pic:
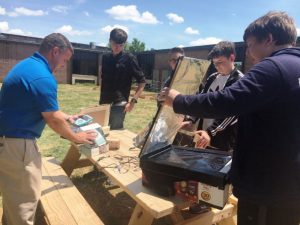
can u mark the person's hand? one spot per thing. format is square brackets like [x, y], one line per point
[167, 96]
[187, 125]
[202, 139]
[87, 137]
[129, 106]
[71, 119]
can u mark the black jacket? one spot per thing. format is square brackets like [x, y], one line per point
[117, 75]
[266, 163]
[223, 130]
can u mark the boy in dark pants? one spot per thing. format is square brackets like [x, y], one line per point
[118, 70]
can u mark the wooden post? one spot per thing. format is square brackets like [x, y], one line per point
[140, 217]
[71, 159]
[176, 216]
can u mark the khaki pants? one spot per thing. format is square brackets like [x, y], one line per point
[20, 180]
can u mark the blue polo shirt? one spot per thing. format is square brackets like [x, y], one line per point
[28, 90]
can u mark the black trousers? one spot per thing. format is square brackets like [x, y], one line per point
[116, 117]
[254, 214]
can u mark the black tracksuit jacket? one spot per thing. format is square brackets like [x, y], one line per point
[223, 130]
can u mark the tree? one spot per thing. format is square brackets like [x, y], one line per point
[136, 46]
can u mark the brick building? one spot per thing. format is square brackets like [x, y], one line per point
[86, 59]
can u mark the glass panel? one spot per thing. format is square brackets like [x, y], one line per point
[187, 78]
[190, 160]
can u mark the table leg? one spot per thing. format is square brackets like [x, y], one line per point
[140, 216]
[176, 216]
[70, 160]
[231, 220]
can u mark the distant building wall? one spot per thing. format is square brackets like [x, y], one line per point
[14, 48]
[12, 52]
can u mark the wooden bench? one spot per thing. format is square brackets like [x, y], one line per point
[61, 202]
[84, 77]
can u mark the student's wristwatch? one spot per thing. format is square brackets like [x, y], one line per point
[133, 100]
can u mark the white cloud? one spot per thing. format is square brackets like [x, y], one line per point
[108, 28]
[60, 9]
[68, 29]
[102, 44]
[12, 14]
[190, 30]
[86, 13]
[181, 46]
[21, 11]
[4, 27]
[2, 11]
[175, 18]
[298, 31]
[205, 41]
[130, 12]
[20, 32]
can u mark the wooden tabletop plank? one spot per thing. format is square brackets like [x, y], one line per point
[128, 176]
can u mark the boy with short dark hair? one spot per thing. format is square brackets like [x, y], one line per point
[118, 70]
[219, 133]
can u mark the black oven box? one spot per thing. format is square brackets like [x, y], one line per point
[166, 168]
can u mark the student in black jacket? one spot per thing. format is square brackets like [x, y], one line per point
[118, 70]
[265, 171]
[219, 133]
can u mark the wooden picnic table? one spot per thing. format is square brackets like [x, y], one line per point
[122, 167]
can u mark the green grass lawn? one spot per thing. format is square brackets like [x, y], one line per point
[73, 98]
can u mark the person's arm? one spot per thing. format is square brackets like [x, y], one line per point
[220, 125]
[44, 93]
[140, 78]
[129, 106]
[139, 90]
[255, 89]
[205, 136]
[56, 120]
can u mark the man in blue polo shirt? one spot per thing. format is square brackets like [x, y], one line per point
[28, 100]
